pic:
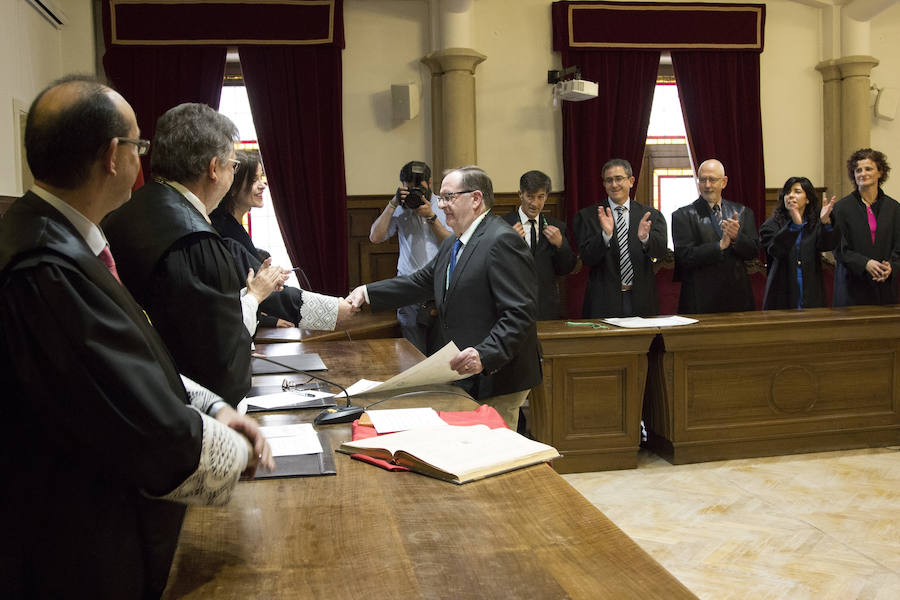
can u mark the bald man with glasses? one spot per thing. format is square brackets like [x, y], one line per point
[713, 237]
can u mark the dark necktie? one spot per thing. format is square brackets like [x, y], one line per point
[453, 255]
[106, 257]
[717, 214]
[625, 267]
[533, 235]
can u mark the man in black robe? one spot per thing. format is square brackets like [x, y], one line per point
[174, 262]
[102, 438]
[713, 237]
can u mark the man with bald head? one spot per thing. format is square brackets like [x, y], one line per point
[105, 437]
[713, 237]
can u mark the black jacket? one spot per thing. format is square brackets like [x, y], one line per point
[550, 262]
[852, 283]
[780, 243]
[603, 297]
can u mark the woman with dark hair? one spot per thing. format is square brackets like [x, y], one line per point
[798, 231]
[246, 192]
[869, 221]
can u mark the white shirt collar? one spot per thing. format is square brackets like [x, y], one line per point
[93, 235]
[464, 238]
[189, 195]
[613, 205]
[525, 218]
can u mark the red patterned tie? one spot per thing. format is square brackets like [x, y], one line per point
[873, 224]
[106, 256]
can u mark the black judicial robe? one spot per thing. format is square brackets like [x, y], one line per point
[713, 280]
[284, 304]
[852, 283]
[229, 228]
[780, 243]
[95, 412]
[181, 272]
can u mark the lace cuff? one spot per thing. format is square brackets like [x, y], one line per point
[201, 398]
[319, 311]
[223, 457]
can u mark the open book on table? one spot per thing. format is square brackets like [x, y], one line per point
[455, 454]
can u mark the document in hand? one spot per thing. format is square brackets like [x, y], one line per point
[455, 454]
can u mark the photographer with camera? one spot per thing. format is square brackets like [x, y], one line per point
[413, 215]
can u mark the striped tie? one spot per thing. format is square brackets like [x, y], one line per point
[624, 257]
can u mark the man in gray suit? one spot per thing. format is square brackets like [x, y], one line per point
[483, 284]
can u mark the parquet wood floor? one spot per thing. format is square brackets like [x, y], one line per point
[822, 526]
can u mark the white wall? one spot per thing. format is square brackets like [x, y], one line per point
[32, 54]
[885, 37]
[385, 40]
[518, 128]
[791, 94]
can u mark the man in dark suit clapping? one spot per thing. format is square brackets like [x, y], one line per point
[546, 237]
[483, 284]
[619, 239]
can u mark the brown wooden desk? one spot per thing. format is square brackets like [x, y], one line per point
[589, 405]
[775, 382]
[364, 326]
[369, 533]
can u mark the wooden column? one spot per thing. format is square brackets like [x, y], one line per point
[831, 117]
[453, 107]
[856, 121]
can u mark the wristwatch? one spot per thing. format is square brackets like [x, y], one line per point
[431, 219]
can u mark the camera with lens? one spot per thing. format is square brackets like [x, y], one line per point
[417, 194]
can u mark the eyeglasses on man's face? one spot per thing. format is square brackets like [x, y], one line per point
[449, 197]
[234, 163]
[709, 180]
[143, 146]
[618, 179]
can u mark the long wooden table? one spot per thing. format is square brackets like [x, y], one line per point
[369, 533]
[775, 382]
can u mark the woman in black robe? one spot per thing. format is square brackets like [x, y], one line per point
[794, 237]
[869, 220]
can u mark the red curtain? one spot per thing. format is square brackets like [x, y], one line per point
[155, 78]
[719, 94]
[613, 125]
[295, 98]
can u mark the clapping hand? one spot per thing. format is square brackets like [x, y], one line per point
[827, 206]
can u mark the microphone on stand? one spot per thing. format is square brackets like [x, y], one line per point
[329, 416]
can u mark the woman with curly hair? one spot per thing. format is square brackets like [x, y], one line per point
[798, 231]
[869, 221]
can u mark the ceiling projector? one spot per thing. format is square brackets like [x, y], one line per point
[575, 90]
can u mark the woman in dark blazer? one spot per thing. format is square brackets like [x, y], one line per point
[869, 220]
[798, 231]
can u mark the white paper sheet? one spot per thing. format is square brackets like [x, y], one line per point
[290, 440]
[402, 419]
[638, 322]
[286, 399]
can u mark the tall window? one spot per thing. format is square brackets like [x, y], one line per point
[261, 223]
[667, 151]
